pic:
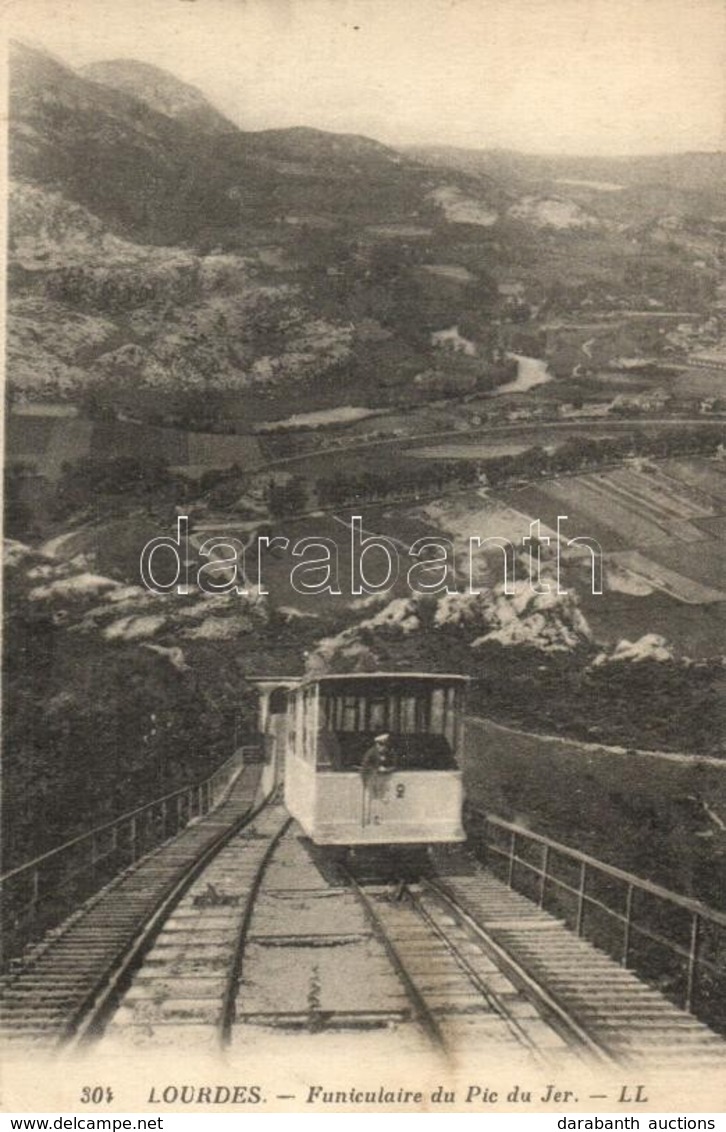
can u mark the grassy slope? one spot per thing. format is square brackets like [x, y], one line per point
[641, 812]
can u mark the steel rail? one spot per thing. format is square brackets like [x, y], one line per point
[422, 1011]
[89, 1020]
[234, 973]
[490, 996]
[549, 1006]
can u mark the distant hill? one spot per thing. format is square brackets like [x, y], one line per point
[155, 248]
[157, 162]
[680, 181]
[107, 150]
[161, 91]
[153, 245]
[684, 170]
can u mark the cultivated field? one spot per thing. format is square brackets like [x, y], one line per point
[707, 475]
[671, 517]
[683, 587]
[664, 531]
[699, 382]
[210, 450]
[51, 441]
[599, 498]
[46, 442]
[561, 497]
[703, 562]
[122, 438]
[471, 514]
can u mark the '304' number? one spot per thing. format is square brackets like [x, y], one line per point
[96, 1094]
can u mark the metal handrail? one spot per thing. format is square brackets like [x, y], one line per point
[626, 919]
[686, 902]
[40, 893]
[701, 915]
[233, 760]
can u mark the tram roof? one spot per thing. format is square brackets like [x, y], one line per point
[362, 677]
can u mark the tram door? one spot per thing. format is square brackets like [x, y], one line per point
[275, 738]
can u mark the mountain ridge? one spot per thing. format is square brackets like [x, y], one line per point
[160, 90]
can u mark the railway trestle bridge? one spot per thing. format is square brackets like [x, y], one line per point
[208, 912]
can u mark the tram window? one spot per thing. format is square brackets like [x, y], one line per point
[426, 710]
[394, 712]
[377, 715]
[414, 716]
[351, 713]
[408, 713]
[278, 702]
[438, 711]
[421, 720]
[329, 755]
[451, 717]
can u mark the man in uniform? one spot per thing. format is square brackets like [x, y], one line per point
[378, 762]
[379, 757]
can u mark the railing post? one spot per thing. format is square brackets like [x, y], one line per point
[580, 920]
[543, 878]
[35, 897]
[512, 855]
[87, 858]
[692, 961]
[626, 928]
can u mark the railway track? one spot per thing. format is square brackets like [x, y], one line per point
[604, 1006]
[240, 928]
[274, 938]
[62, 987]
[262, 941]
[459, 996]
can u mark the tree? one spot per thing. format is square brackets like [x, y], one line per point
[91, 478]
[288, 498]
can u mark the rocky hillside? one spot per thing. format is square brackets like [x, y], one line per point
[198, 256]
[75, 750]
[298, 269]
[535, 664]
[78, 627]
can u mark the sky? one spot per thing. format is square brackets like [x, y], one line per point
[545, 76]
